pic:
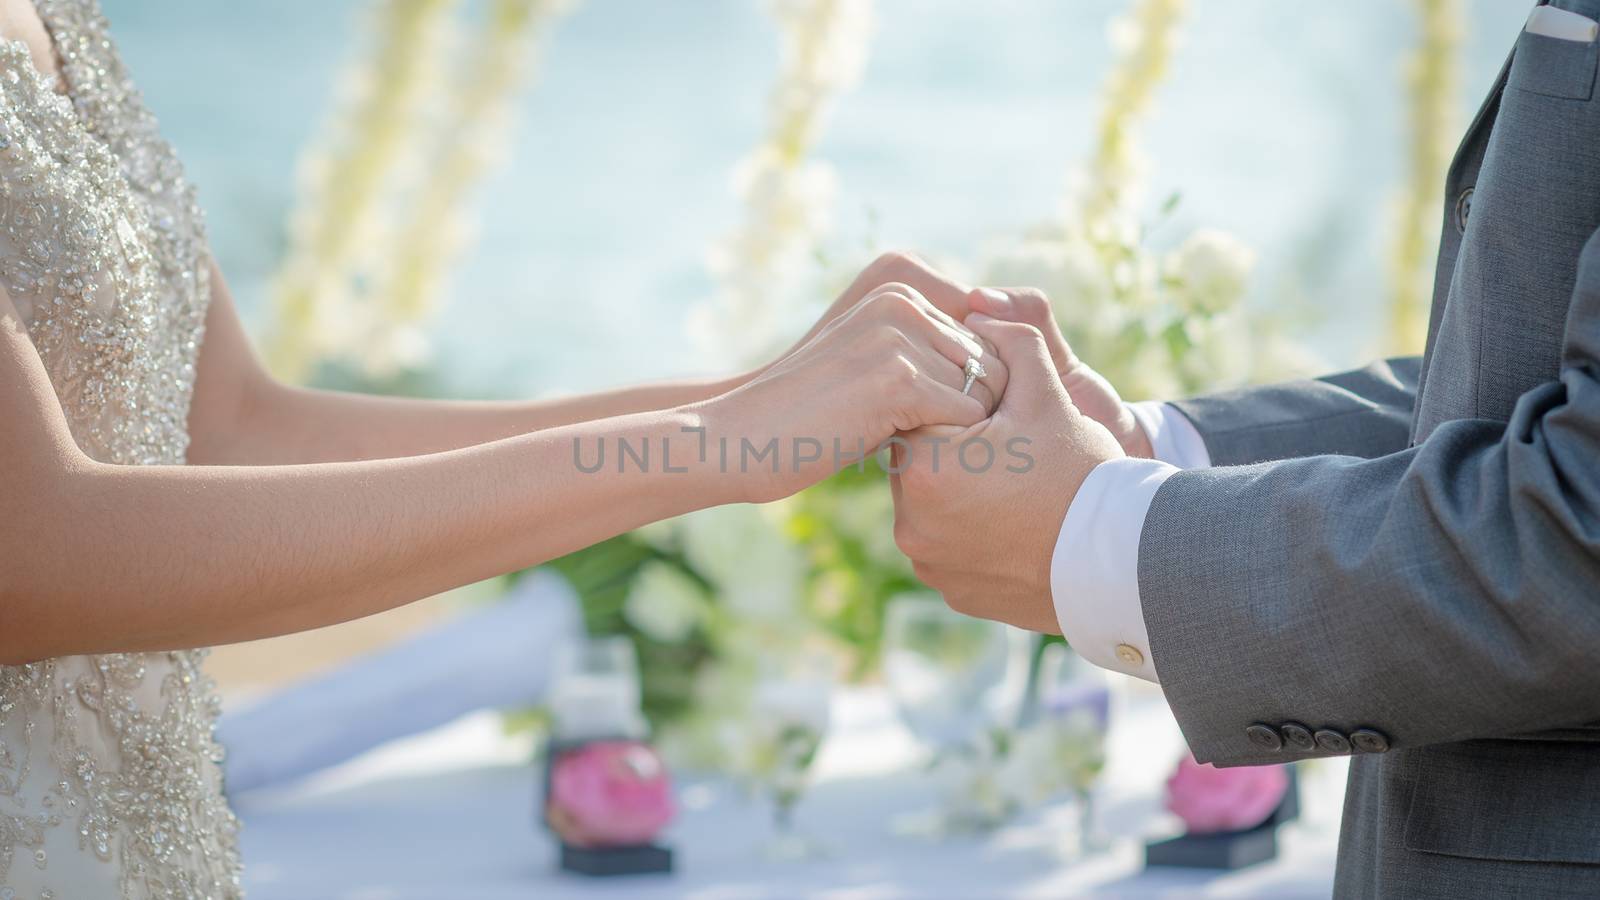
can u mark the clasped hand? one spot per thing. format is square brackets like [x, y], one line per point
[984, 537]
[981, 484]
[983, 481]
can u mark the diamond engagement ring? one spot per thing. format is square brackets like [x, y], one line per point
[974, 371]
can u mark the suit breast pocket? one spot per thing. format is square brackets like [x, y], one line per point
[1512, 800]
[1554, 67]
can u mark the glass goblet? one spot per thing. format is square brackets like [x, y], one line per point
[1075, 704]
[596, 690]
[788, 719]
[947, 674]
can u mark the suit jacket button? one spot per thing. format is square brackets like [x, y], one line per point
[1332, 741]
[1298, 736]
[1463, 210]
[1264, 736]
[1368, 741]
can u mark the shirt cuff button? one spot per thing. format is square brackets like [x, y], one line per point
[1129, 655]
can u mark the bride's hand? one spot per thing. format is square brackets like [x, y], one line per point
[892, 363]
[895, 267]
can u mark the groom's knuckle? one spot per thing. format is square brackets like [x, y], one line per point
[1032, 303]
[1017, 334]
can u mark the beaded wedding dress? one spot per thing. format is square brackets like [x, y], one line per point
[109, 778]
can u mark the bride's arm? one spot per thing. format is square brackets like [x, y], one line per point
[103, 558]
[242, 416]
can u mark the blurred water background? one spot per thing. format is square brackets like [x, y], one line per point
[1281, 122]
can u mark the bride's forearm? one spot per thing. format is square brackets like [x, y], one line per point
[241, 416]
[188, 556]
[283, 425]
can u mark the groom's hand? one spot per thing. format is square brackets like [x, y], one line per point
[1090, 392]
[981, 535]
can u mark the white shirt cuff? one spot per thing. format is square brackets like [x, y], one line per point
[1172, 436]
[1094, 573]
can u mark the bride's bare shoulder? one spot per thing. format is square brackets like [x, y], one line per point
[19, 21]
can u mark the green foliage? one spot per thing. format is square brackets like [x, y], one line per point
[602, 576]
[853, 568]
[844, 526]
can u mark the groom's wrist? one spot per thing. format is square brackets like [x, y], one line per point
[1172, 437]
[1135, 440]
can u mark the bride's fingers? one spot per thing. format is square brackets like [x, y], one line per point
[928, 307]
[977, 347]
[995, 374]
[933, 309]
[956, 341]
[988, 387]
[946, 373]
[946, 294]
[904, 308]
[936, 352]
[935, 403]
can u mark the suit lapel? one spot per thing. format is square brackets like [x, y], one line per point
[1463, 173]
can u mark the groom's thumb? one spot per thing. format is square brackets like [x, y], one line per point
[1022, 348]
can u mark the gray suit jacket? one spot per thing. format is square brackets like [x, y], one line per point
[1403, 562]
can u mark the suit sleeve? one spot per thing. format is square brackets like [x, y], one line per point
[1364, 413]
[1445, 592]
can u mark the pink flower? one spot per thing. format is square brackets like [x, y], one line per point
[1209, 799]
[610, 794]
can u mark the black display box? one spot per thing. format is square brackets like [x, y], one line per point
[1228, 849]
[641, 859]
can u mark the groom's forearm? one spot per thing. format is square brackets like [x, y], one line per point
[1365, 413]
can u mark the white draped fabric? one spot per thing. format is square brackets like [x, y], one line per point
[496, 657]
[451, 814]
